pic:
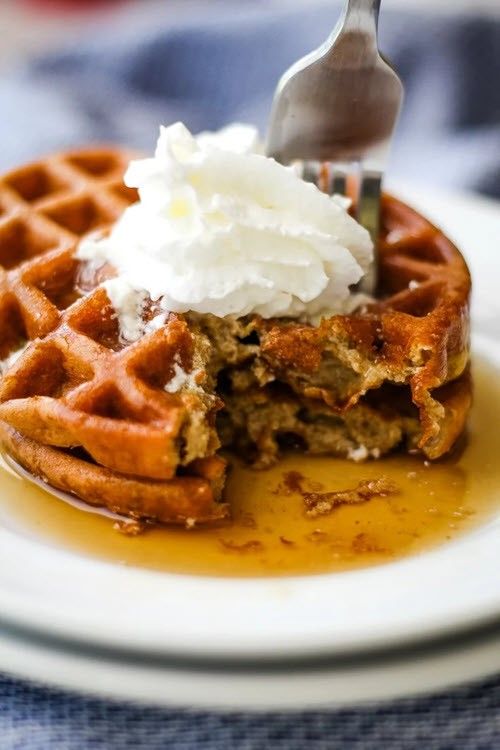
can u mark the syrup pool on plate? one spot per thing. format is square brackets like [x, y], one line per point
[271, 534]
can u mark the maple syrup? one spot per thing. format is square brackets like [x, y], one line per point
[271, 533]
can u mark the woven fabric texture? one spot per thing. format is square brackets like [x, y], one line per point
[33, 718]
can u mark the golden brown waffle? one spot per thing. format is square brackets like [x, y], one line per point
[44, 210]
[90, 413]
[78, 385]
[416, 333]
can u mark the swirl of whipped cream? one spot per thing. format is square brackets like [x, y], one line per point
[220, 228]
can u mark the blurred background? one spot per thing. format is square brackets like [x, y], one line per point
[79, 71]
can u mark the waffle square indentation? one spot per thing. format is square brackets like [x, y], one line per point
[81, 214]
[22, 239]
[97, 165]
[56, 279]
[120, 190]
[12, 329]
[35, 182]
[95, 318]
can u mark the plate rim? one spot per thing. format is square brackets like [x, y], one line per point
[256, 690]
[34, 613]
[43, 618]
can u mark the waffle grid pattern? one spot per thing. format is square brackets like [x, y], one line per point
[45, 209]
[79, 385]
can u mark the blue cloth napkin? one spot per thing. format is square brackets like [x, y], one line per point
[222, 65]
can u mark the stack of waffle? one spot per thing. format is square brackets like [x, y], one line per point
[97, 416]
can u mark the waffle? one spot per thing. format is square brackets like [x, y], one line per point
[416, 336]
[90, 413]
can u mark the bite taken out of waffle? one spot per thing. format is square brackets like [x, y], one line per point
[100, 418]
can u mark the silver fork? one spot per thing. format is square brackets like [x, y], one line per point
[334, 113]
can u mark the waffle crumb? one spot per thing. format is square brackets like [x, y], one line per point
[254, 545]
[130, 527]
[358, 454]
[295, 483]
[323, 503]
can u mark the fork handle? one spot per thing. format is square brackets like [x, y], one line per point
[366, 6]
[361, 14]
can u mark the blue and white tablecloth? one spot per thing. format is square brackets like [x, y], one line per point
[40, 719]
[118, 85]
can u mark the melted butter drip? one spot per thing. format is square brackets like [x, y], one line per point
[270, 533]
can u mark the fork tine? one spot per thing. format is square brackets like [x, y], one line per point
[339, 182]
[319, 173]
[311, 171]
[328, 177]
[368, 215]
[368, 206]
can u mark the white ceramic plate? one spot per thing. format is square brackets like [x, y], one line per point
[417, 624]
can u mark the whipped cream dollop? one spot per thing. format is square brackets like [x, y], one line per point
[220, 228]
